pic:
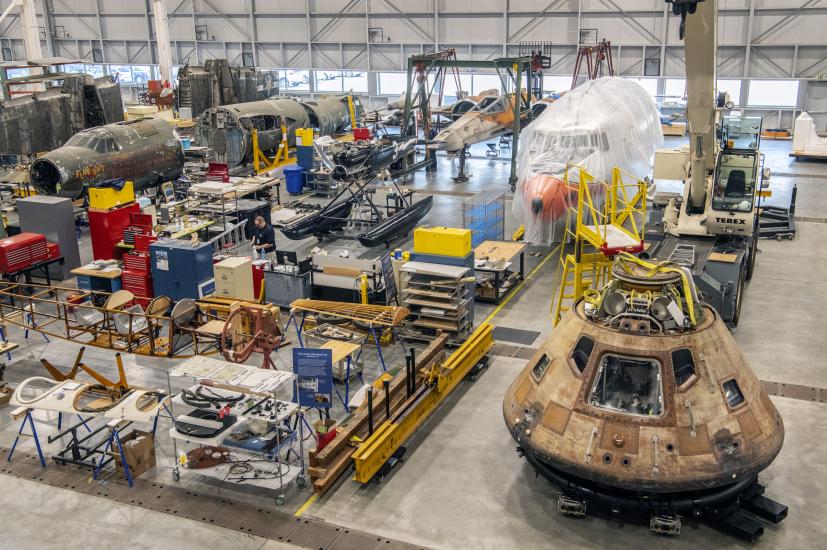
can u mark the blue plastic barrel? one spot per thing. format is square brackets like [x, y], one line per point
[294, 179]
[186, 142]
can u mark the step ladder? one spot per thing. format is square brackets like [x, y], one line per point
[609, 219]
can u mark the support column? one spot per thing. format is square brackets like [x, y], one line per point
[31, 32]
[159, 10]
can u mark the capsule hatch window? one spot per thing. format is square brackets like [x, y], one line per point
[733, 394]
[540, 368]
[582, 352]
[629, 385]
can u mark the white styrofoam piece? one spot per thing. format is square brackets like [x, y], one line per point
[805, 138]
[126, 410]
[252, 378]
[424, 268]
[60, 398]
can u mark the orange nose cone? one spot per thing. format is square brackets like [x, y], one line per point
[547, 196]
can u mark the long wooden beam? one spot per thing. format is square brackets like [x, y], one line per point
[327, 465]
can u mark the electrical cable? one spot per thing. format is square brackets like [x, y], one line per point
[201, 400]
[239, 468]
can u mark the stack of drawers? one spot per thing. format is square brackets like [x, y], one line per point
[22, 251]
[234, 278]
[137, 276]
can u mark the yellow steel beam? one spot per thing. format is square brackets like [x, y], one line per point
[391, 434]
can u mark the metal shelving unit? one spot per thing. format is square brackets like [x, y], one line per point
[258, 388]
[438, 297]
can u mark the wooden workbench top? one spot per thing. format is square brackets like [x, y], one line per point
[340, 349]
[104, 274]
[494, 251]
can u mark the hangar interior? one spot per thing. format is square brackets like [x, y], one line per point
[413, 273]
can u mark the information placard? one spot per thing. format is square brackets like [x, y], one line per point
[314, 377]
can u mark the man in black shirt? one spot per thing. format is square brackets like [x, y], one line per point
[264, 240]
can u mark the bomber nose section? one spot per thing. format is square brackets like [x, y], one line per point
[47, 178]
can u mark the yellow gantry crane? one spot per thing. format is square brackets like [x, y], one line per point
[609, 219]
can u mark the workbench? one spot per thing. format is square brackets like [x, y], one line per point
[107, 279]
[226, 203]
[26, 273]
[342, 357]
[496, 258]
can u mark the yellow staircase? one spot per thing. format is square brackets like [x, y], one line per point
[598, 233]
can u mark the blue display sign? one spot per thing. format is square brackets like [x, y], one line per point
[314, 377]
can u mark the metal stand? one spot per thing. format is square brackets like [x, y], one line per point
[31, 322]
[27, 418]
[114, 437]
[5, 341]
[461, 177]
[371, 334]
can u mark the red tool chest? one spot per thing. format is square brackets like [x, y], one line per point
[106, 228]
[136, 262]
[138, 283]
[22, 251]
[54, 250]
[258, 276]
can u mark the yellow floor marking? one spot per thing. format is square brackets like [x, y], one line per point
[309, 502]
[314, 497]
[522, 283]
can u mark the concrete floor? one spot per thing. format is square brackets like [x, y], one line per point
[462, 484]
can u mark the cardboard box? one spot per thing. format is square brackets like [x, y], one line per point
[5, 394]
[446, 241]
[139, 449]
[674, 129]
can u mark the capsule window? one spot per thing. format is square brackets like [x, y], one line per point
[733, 394]
[683, 366]
[582, 352]
[540, 368]
[628, 385]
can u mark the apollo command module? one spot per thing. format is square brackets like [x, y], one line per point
[640, 405]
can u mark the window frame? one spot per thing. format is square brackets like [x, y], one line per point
[575, 369]
[545, 369]
[743, 402]
[751, 103]
[693, 378]
[606, 410]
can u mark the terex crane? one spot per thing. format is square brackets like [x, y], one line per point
[712, 228]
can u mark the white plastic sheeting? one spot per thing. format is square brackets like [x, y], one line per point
[602, 124]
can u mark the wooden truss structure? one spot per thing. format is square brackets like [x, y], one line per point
[368, 314]
[112, 320]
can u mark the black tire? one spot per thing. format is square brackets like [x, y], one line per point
[753, 252]
[739, 297]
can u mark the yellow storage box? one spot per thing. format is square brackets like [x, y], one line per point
[304, 136]
[447, 241]
[106, 198]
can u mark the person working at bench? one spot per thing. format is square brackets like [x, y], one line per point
[264, 240]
